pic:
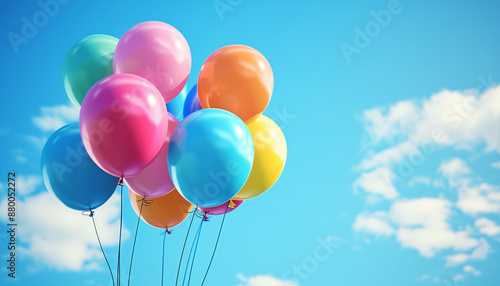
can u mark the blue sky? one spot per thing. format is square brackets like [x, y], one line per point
[393, 150]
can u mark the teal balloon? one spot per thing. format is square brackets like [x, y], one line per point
[210, 157]
[87, 62]
[176, 105]
[70, 174]
[192, 102]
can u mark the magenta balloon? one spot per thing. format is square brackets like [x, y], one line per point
[221, 209]
[154, 181]
[123, 122]
[157, 52]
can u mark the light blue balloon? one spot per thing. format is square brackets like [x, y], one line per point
[71, 175]
[192, 102]
[210, 157]
[176, 105]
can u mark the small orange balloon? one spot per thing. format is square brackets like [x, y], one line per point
[238, 79]
[163, 212]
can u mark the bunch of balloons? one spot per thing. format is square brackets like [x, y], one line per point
[131, 94]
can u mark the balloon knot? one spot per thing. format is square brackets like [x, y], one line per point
[90, 213]
[168, 231]
[120, 182]
[231, 204]
[205, 218]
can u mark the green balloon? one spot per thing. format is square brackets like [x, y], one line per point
[87, 62]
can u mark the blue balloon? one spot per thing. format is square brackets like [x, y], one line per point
[210, 157]
[176, 105]
[192, 102]
[71, 175]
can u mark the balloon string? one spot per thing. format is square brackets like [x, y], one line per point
[193, 246]
[135, 238]
[196, 248]
[120, 236]
[163, 257]
[184, 246]
[216, 243]
[91, 214]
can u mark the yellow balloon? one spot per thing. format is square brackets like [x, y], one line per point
[270, 156]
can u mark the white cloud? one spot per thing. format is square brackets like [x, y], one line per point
[454, 168]
[37, 142]
[481, 252]
[472, 270]
[55, 117]
[334, 239]
[496, 165]
[376, 223]
[428, 241]
[426, 212]
[27, 184]
[424, 277]
[420, 180]
[487, 226]
[459, 277]
[448, 118]
[456, 259]
[388, 156]
[462, 117]
[473, 198]
[377, 182]
[382, 124]
[477, 199]
[263, 280]
[19, 155]
[424, 226]
[403, 136]
[61, 238]
[20, 159]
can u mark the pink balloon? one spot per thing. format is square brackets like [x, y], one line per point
[154, 181]
[157, 52]
[221, 209]
[123, 122]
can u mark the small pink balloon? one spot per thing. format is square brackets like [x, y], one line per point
[154, 181]
[123, 123]
[157, 52]
[222, 209]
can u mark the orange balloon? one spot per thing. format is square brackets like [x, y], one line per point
[238, 79]
[163, 212]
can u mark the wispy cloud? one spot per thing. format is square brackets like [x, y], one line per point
[28, 184]
[55, 117]
[473, 197]
[472, 270]
[400, 139]
[481, 252]
[62, 238]
[377, 183]
[376, 223]
[263, 280]
[37, 142]
[487, 226]
[464, 119]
